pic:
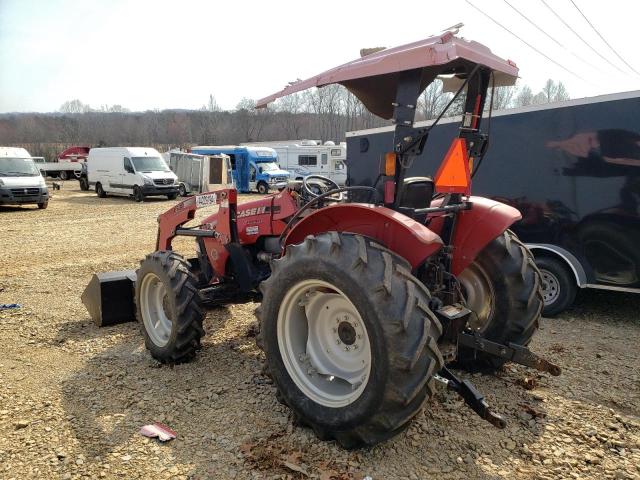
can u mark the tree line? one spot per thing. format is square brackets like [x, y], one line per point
[325, 114]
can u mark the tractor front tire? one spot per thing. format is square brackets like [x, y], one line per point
[349, 339]
[168, 307]
[503, 288]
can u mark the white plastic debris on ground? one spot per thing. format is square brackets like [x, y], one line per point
[162, 432]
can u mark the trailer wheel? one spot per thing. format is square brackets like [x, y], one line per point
[84, 184]
[349, 339]
[138, 196]
[263, 188]
[558, 285]
[502, 287]
[100, 191]
[63, 175]
[43, 205]
[168, 307]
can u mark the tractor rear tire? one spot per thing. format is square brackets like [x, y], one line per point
[168, 307]
[382, 319]
[503, 288]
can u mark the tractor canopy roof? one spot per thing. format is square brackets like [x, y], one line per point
[373, 78]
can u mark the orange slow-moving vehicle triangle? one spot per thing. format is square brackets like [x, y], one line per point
[453, 176]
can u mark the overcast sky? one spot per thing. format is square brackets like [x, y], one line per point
[147, 54]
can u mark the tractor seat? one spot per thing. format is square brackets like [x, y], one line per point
[416, 194]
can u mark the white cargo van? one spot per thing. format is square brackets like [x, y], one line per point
[133, 171]
[20, 179]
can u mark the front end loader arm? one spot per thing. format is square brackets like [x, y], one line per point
[171, 221]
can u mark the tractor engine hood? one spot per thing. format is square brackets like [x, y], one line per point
[373, 78]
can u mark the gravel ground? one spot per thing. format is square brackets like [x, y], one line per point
[73, 396]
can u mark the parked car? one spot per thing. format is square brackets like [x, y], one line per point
[133, 171]
[572, 169]
[20, 181]
[254, 168]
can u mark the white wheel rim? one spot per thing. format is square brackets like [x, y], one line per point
[550, 287]
[324, 343]
[153, 298]
[479, 296]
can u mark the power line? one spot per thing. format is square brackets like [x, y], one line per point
[580, 37]
[551, 37]
[603, 39]
[525, 42]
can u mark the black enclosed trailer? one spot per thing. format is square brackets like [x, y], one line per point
[572, 169]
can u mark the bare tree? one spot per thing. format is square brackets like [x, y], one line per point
[212, 105]
[524, 97]
[433, 100]
[502, 97]
[72, 106]
[561, 93]
[549, 91]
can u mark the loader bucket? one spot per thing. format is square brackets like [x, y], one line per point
[109, 297]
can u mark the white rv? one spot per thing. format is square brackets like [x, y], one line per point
[307, 157]
[20, 180]
[133, 171]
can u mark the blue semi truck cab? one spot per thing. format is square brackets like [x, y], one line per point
[254, 168]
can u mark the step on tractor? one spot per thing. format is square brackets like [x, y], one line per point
[369, 295]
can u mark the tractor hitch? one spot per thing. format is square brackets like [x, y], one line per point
[511, 352]
[472, 397]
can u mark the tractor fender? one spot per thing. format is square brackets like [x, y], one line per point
[476, 228]
[397, 232]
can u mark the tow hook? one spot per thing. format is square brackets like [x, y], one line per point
[472, 397]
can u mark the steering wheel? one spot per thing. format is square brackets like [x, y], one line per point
[325, 185]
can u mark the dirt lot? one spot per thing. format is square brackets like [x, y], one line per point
[73, 397]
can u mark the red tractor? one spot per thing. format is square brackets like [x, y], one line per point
[367, 293]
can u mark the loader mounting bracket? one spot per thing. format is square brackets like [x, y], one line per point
[472, 397]
[512, 352]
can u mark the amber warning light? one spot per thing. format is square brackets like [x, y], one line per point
[453, 176]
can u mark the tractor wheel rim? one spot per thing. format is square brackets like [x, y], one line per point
[479, 295]
[550, 287]
[153, 306]
[324, 343]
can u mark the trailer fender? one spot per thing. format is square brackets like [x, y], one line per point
[476, 228]
[397, 232]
